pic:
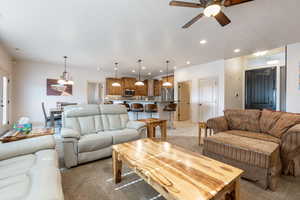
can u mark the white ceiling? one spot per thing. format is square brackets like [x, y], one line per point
[96, 33]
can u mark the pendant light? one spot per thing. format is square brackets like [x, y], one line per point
[116, 84]
[65, 78]
[139, 82]
[167, 83]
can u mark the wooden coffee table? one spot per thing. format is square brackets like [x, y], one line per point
[176, 173]
[36, 132]
[152, 123]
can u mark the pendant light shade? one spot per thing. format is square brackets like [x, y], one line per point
[65, 78]
[167, 83]
[139, 82]
[116, 84]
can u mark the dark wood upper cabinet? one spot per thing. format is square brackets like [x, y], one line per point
[142, 90]
[169, 79]
[157, 87]
[110, 90]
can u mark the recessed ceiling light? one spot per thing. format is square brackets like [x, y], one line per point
[260, 53]
[149, 73]
[143, 68]
[98, 68]
[161, 71]
[188, 62]
[273, 62]
[133, 71]
[237, 50]
[203, 42]
[115, 68]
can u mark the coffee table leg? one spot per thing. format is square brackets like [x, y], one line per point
[117, 167]
[237, 189]
[163, 129]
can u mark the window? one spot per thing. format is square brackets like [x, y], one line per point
[4, 100]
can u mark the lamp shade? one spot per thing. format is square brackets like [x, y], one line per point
[139, 83]
[116, 84]
[167, 84]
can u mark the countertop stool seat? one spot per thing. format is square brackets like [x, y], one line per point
[137, 108]
[171, 108]
[151, 108]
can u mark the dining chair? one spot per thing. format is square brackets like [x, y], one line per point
[48, 118]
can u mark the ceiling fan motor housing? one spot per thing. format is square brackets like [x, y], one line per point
[211, 2]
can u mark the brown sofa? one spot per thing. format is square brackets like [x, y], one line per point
[263, 143]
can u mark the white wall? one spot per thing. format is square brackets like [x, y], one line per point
[6, 69]
[234, 83]
[194, 74]
[293, 78]
[29, 87]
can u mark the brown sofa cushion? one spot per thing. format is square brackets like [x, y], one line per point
[286, 121]
[268, 119]
[245, 120]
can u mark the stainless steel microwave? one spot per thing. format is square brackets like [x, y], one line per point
[129, 93]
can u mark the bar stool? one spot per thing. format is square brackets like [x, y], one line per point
[137, 107]
[126, 105]
[171, 108]
[151, 108]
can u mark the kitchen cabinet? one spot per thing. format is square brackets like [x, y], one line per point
[128, 83]
[110, 90]
[156, 87]
[142, 90]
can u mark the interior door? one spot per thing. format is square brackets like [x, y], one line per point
[261, 89]
[184, 101]
[208, 99]
[94, 93]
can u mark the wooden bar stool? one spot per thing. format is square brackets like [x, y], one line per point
[151, 108]
[137, 108]
[171, 108]
[207, 131]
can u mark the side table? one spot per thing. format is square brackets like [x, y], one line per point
[152, 123]
[203, 125]
[36, 132]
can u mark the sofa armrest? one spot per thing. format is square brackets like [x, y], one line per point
[290, 151]
[136, 125]
[69, 133]
[218, 124]
[26, 146]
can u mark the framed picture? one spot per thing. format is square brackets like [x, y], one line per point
[55, 89]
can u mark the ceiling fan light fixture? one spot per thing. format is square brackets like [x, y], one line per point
[212, 10]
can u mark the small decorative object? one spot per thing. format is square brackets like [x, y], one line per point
[55, 89]
[23, 127]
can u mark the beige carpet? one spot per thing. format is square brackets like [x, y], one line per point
[92, 181]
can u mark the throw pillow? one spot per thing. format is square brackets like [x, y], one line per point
[268, 119]
[285, 122]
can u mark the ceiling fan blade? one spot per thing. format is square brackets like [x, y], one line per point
[185, 4]
[193, 20]
[228, 3]
[222, 19]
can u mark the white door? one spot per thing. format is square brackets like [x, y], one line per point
[208, 99]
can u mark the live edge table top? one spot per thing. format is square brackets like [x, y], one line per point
[175, 172]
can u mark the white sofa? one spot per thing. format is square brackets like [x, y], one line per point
[89, 131]
[29, 170]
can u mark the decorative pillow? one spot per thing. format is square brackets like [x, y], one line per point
[286, 121]
[245, 120]
[268, 119]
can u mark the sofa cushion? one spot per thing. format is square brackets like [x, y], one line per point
[93, 142]
[268, 119]
[31, 177]
[125, 135]
[285, 122]
[255, 135]
[256, 152]
[87, 125]
[246, 120]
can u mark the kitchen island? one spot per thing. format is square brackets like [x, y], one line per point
[143, 115]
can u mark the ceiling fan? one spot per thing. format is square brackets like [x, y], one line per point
[212, 8]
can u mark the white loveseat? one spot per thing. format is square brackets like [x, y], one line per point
[89, 131]
[29, 170]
